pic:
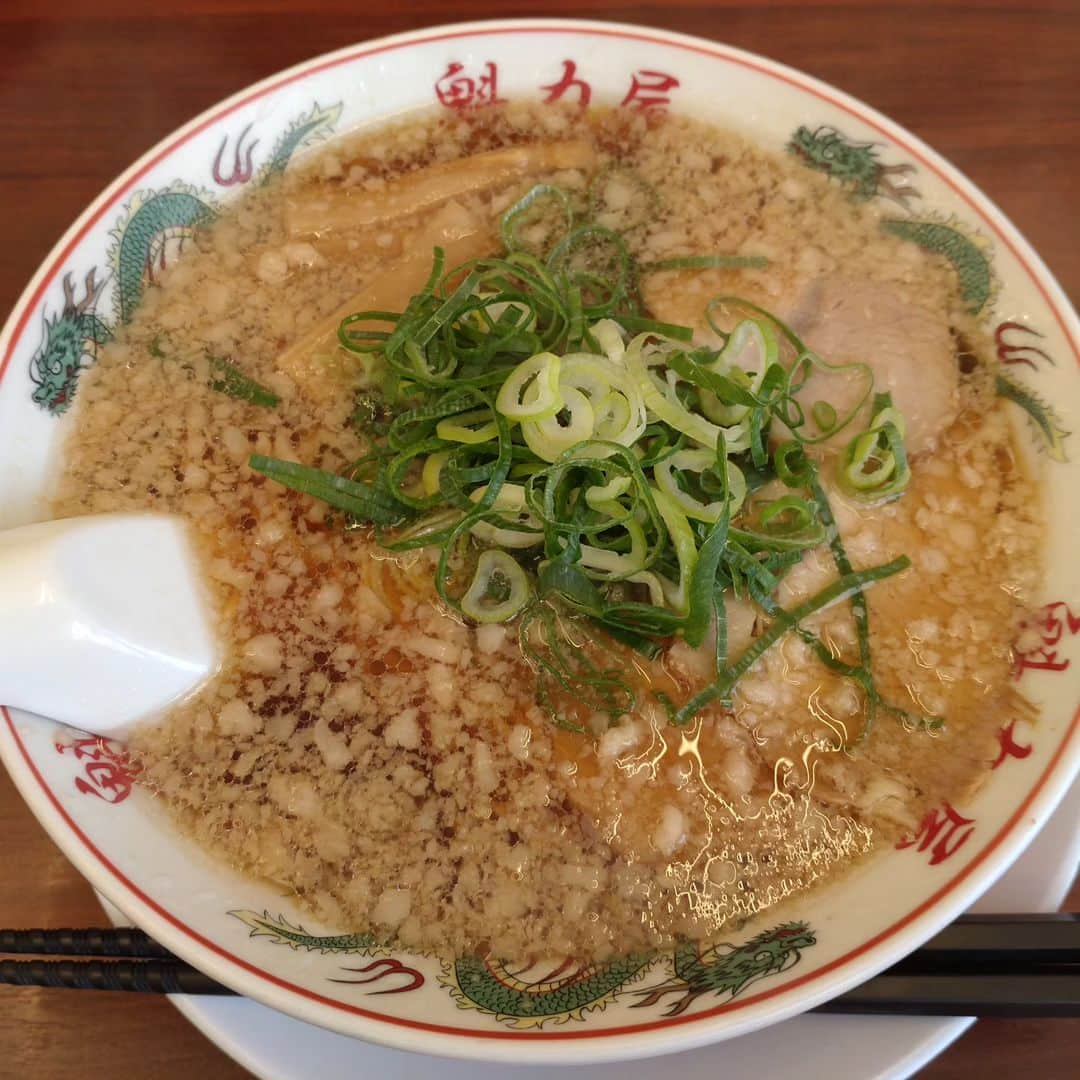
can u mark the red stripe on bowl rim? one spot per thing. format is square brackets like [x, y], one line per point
[982, 206]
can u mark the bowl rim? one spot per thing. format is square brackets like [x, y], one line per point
[560, 1045]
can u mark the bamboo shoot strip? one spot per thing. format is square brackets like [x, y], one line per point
[453, 228]
[354, 208]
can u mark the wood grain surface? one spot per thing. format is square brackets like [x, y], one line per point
[88, 85]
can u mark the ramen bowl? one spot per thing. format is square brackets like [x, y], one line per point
[244, 932]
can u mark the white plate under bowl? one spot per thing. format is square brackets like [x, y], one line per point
[833, 938]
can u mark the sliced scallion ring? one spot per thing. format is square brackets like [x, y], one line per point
[609, 336]
[874, 465]
[499, 588]
[618, 407]
[549, 438]
[686, 551]
[605, 493]
[749, 352]
[531, 390]
[616, 564]
[698, 461]
[654, 583]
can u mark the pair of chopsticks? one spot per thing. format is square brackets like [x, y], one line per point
[135, 962]
[981, 965]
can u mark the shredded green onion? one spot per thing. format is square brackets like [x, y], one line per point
[226, 378]
[361, 500]
[589, 471]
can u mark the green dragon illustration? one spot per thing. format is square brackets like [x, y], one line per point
[1045, 420]
[852, 164]
[856, 166]
[70, 343]
[152, 219]
[700, 970]
[566, 993]
[969, 253]
[317, 123]
[522, 998]
[971, 258]
[282, 932]
[153, 223]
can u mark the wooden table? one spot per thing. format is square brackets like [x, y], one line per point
[88, 85]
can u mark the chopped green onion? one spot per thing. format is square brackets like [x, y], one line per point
[232, 381]
[227, 379]
[460, 428]
[573, 424]
[824, 415]
[874, 465]
[594, 465]
[499, 588]
[791, 464]
[786, 516]
[526, 210]
[849, 585]
[531, 391]
[362, 501]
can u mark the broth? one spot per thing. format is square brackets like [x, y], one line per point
[389, 763]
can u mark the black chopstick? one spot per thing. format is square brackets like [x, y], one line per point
[998, 945]
[133, 976]
[991, 965]
[125, 941]
[1044, 994]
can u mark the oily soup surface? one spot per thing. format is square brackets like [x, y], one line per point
[390, 765]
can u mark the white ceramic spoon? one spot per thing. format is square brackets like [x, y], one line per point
[104, 620]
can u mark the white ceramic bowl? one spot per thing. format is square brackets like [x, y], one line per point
[246, 935]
